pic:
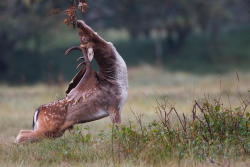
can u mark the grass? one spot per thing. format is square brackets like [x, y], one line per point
[163, 124]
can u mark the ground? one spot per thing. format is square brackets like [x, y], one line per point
[147, 85]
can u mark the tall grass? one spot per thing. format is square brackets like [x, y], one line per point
[211, 133]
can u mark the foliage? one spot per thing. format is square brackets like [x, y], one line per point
[211, 132]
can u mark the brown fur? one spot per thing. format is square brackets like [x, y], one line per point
[89, 97]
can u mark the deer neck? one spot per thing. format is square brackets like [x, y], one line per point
[111, 64]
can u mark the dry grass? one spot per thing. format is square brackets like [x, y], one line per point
[18, 103]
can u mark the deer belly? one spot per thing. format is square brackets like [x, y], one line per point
[89, 115]
[92, 116]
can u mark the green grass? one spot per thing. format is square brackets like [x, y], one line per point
[216, 134]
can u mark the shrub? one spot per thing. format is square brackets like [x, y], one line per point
[211, 131]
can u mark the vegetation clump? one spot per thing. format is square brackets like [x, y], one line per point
[211, 133]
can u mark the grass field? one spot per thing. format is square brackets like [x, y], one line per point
[147, 85]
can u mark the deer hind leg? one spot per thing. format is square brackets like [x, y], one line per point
[25, 136]
[25, 131]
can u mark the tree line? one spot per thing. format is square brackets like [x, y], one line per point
[166, 23]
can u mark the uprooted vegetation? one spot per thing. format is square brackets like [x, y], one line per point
[211, 133]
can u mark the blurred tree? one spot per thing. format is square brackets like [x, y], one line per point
[22, 25]
[142, 18]
[171, 20]
[168, 23]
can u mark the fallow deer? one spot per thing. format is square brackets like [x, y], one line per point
[90, 96]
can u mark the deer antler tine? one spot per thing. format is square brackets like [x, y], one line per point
[81, 64]
[80, 58]
[72, 48]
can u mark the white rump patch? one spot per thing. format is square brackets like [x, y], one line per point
[35, 115]
[36, 119]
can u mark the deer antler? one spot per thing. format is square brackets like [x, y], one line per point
[87, 52]
[72, 49]
[84, 73]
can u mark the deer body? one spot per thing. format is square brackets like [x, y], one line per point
[91, 96]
